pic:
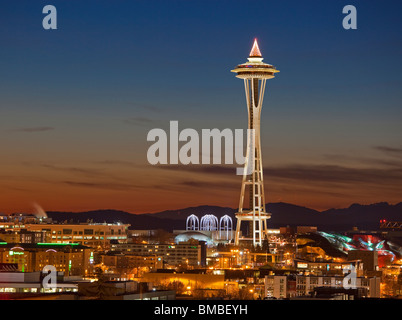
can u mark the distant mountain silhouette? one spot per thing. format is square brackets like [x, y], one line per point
[362, 216]
[137, 221]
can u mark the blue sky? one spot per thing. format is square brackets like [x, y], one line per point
[90, 91]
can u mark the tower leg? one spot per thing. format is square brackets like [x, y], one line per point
[255, 215]
[237, 235]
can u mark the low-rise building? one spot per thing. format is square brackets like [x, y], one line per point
[282, 286]
[327, 267]
[72, 259]
[95, 235]
[23, 236]
[32, 283]
[191, 253]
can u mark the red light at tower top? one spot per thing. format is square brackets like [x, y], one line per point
[255, 50]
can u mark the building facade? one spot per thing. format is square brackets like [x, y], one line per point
[96, 235]
[24, 236]
[70, 259]
[290, 286]
[191, 253]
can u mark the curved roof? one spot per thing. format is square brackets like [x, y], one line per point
[192, 235]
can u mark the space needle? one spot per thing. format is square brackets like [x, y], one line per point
[252, 200]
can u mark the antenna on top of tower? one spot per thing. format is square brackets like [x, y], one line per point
[255, 50]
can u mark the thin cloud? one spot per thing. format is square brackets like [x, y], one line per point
[308, 173]
[194, 185]
[73, 170]
[146, 107]
[389, 150]
[100, 185]
[116, 163]
[209, 184]
[138, 121]
[363, 160]
[207, 169]
[337, 174]
[32, 129]
[76, 171]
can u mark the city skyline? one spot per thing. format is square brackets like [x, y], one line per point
[207, 157]
[77, 103]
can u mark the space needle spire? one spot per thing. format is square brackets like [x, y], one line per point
[252, 199]
[255, 50]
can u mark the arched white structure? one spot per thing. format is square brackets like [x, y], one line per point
[225, 227]
[192, 223]
[209, 223]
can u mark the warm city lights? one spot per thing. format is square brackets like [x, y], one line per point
[201, 158]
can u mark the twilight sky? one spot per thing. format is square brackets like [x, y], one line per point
[76, 103]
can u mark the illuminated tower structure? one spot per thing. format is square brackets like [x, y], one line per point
[252, 200]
